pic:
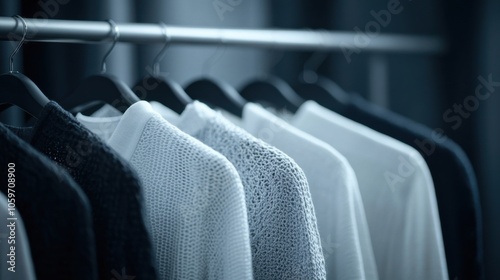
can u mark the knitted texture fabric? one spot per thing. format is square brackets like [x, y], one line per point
[283, 232]
[56, 213]
[342, 224]
[194, 197]
[122, 241]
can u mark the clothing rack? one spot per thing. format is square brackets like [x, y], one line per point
[71, 31]
[378, 44]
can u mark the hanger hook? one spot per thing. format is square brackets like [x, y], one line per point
[16, 50]
[309, 72]
[159, 57]
[116, 36]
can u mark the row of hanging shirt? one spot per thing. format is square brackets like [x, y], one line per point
[251, 194]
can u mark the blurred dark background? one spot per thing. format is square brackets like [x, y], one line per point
[421, 87]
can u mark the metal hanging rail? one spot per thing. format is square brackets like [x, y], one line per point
[70, 31]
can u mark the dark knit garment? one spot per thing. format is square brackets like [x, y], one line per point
[454, 182]
[56, 213]
[123, 245]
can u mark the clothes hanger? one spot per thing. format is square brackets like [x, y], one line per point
[101, 88]
[323, 90]
[216, 93]
[161, 88]
[17, 89]
[272, 91]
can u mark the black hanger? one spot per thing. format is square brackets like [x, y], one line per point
[163, 90]
[160, 88]
[272, 91]
[101, 88]
[217, 93]
[325, 92]
[17, 89]
[97, 90]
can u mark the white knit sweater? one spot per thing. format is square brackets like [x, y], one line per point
[284, 236]
[194, 198]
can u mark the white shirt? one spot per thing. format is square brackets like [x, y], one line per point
[23, 264]
[194, 198]
[334, 189]
[397, 192]
[283, 230]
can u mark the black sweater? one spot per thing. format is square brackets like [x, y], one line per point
[56, 213]
[123, 245]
